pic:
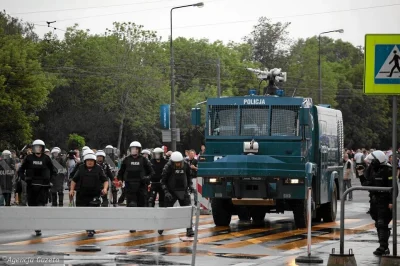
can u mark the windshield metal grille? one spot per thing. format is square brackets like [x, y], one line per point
[254, 121]
[223, 120]
[284, 120]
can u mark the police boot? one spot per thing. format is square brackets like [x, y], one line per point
[90, 233]
[160, 232]
[383, 236]
[38, 232]
[54, 199]
[189, 232]
[132, 231]
[61, 199]
[104, 201]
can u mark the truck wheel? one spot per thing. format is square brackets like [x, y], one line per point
[329, 210]
[299, 208]
[221, 211]
[243, 213]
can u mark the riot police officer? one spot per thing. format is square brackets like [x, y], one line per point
[158, 163]
[100, 157]
[379, 174]
[57, 181]
[90, 183]
[7, 172]
[37, 170]
[136, 172]
[177, 183]
[146, 153]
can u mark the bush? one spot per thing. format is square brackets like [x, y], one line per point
[75, 142]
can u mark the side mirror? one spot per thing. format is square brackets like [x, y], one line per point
[196, 116]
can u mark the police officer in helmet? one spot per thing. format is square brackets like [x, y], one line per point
[101, 156]
[158, 163]
[58, 181]
[136, 171]
[37, 170]
[379, 174]
[7, 171]
[90, 183]
[177, 183]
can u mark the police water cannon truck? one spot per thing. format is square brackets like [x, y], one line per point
[265, 151]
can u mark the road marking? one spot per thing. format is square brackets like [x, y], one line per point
[259, 240]
[167, 237]
[221, 237]
[321, 238]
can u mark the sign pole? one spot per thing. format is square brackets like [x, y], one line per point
[394, 176]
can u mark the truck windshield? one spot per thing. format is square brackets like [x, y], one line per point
[285, 121]
[223, 120]
[254, 120]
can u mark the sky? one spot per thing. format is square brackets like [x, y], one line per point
[225, 20]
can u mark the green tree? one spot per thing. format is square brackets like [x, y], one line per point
[270, 43]
[24, 86]
[75, 142]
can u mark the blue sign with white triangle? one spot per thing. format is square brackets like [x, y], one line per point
[387, 64]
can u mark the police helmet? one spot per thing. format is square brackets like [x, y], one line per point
[38, 146]
[55, 150]
[135, 144]
[146, 151]
[6, 154]
[46, 150]
[101, 153]
[87, 151]
[85, 148]
[377, 158]
[109, 147]
[89, 156]
[177, 159]
[158, 153]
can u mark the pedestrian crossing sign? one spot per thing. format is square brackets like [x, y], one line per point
[382, 64]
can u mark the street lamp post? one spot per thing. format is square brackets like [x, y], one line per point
[173, 109]
[319, 61]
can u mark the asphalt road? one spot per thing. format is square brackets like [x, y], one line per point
[275, 242]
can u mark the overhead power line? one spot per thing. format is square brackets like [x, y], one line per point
[235, 21]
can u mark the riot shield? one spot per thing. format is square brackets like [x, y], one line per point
[111, 163]
[6, 177]
[59, 167]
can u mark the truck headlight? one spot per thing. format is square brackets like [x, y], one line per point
[213, 180]
[293, 181]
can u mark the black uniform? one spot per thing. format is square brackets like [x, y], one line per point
[380, 176]
[136, 172]
[37, 172]
[7, 172]
[58, 182]
[89, 185]
[107, 171]
[158, 166]
[177, 184]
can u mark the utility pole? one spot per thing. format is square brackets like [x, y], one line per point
[219, 77]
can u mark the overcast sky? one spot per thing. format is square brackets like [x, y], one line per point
[226, 20]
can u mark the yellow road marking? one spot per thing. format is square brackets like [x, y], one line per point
[321, 238]
[262, 239]
[168, 237]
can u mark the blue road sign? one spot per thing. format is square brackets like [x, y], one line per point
[165, 116]
[387, 64]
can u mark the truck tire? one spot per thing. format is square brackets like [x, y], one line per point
[243, 213]
[329, 210]
[299, 208]
[221, 211]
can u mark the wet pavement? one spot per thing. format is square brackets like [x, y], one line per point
[275, 242]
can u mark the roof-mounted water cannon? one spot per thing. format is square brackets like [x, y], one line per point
[272, 76]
